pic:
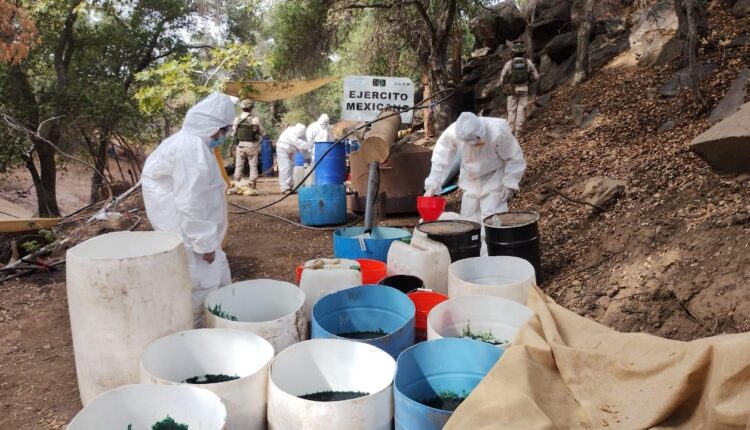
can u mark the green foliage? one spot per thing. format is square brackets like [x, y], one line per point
[181, 81]
[483, 336]
[49, 235]
[30, 246]
[301, 39]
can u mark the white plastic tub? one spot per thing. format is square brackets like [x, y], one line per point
[271, 309]
[426, 259]
[141, 406]
[327, 275]
[175, 358]
[125, 290]
[478, 315]
[508, 277]
[321, 365]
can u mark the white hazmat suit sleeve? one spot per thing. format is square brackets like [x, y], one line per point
[442, 157]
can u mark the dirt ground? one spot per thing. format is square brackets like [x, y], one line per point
[38, 388]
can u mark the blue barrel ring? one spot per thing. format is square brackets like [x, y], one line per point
[429, 369]
[367, 308]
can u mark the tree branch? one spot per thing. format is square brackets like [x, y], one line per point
[16, 125]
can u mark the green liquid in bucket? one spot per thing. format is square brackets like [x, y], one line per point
[446, 401]
[333, 396]
[168, 424]
[210, 379]
[362, 335]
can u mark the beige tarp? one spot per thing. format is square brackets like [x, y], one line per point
[269, 91]
[565, 371]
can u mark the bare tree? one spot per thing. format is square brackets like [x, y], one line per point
[582, 42]
[692, 26]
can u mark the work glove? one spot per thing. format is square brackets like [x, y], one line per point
[506, 194]
[431, 188]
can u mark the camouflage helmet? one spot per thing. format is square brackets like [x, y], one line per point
[518, 47]
[247, 104]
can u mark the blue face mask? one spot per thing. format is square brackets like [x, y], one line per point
[215, 143]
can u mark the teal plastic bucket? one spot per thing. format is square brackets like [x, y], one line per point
[347, 245]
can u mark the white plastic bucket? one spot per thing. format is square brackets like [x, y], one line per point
[426, 259]
[327, 275]
[508, 277]
[322, 365]
[125, 290]
[485, 318]
[175, 358]
[141, 406]
[271, 309]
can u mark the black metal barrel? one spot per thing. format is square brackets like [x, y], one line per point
[515, 234]
[463, 238]
[404, 283]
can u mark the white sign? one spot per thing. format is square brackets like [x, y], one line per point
[366, 96]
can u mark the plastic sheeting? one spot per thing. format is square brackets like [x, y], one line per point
[269, 91]
[566, 371]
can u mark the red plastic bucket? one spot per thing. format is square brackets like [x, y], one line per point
[424, 301]
[373, 271]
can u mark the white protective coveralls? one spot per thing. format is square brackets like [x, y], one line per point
[492, 164]
[184, 193]
[320, 130]
[291, 140]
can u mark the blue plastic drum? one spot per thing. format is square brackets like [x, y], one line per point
[433, 377]
[266, 157]
[373, 314]
[322, 205]
[331, 168]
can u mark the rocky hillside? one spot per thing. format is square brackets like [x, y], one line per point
[670, 252]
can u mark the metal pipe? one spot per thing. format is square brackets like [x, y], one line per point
[378, 141]
[373, 185]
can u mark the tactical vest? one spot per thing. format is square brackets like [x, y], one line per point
[519, 72]
[247, 132]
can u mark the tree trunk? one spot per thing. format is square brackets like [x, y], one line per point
[100, 162]
[692, 25]
[442, 115]
[582, 43]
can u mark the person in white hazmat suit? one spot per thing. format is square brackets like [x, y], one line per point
[320, 130]
[291, 140]
[184, 193]
[492, 164]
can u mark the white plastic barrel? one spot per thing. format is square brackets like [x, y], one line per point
[327, 275]
[271, 309]
[320, 365]
[139, 407]
[298, 174]
[426, 259]
[508, 277]
[125, 290]
[175, 358]
[490, 319]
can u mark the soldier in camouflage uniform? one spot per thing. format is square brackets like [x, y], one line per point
[518, 73]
